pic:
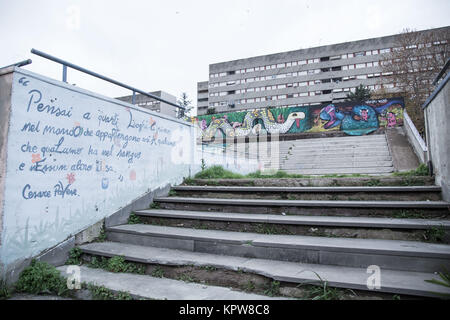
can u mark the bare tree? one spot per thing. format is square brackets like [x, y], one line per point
[413, 64]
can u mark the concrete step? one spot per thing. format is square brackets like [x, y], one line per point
[395, 282]
[338, 154]
[292, 164]
[307, 207]
[349, 158]
[340, 151]
[314, 181]
[313, 193]
[331, 148]
[363, 170]
[359, 253]
[327, 226]
[146, 287]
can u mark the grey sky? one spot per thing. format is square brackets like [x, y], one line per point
[168, 45]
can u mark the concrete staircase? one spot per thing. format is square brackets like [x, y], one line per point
[334, 155]
[229, 235]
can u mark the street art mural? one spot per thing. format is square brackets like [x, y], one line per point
[353, 118]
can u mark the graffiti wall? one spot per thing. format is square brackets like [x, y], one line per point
[74, 157]
[350, 117]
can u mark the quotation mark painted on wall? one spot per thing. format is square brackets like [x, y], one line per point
[73, 18]
[23, 81]
[74, 278]
[374, 280]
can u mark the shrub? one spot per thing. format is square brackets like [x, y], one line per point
[41, 277]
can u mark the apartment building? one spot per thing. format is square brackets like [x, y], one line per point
[304, 77]
[153, 104]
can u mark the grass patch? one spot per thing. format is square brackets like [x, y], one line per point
[407, 214]
[217, 172]
[42, 278]
[323, 292]
[116, 264]
[185, 278]
[155, 205]
[74, 256]
[134, 219]
[273, 289]
[4, 290]
[435, 234]
[158, 273]
[102, 293]
[422, 170]
[102, 236]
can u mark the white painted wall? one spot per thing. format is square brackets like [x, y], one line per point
[75, 157]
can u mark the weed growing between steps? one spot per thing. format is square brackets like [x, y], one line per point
[443, 281]
[4, 290]
[116, 264]
[435, 234]
[422, 170]
[102, 293]
[42, 278]
[409, 178]
[74, 257]
[134, 219]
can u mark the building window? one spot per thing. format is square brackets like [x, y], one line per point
[301, 62]
[360, 65]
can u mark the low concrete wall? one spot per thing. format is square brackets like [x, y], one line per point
[71, 158]
[414, 138]
[437, 121]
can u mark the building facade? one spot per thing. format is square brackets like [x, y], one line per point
[313, 76]
[153, 104]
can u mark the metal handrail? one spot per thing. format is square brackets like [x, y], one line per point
[19, 64]
[97, 75]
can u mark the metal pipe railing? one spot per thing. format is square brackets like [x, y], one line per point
[19, 64]
[97, 75]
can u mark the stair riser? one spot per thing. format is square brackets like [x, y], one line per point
[289, 229]
[293, 254]
[394, 196]
[315, 211]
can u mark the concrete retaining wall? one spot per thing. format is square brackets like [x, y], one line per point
[437, 120]
[414, 138]
[71, 158]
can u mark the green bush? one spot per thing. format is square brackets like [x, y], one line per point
[41, 278]
[217, 172]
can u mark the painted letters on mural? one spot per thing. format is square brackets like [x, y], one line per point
[353, 118]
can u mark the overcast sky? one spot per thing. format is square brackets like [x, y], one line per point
[167, 45]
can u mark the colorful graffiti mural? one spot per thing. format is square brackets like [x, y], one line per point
[353, 118]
